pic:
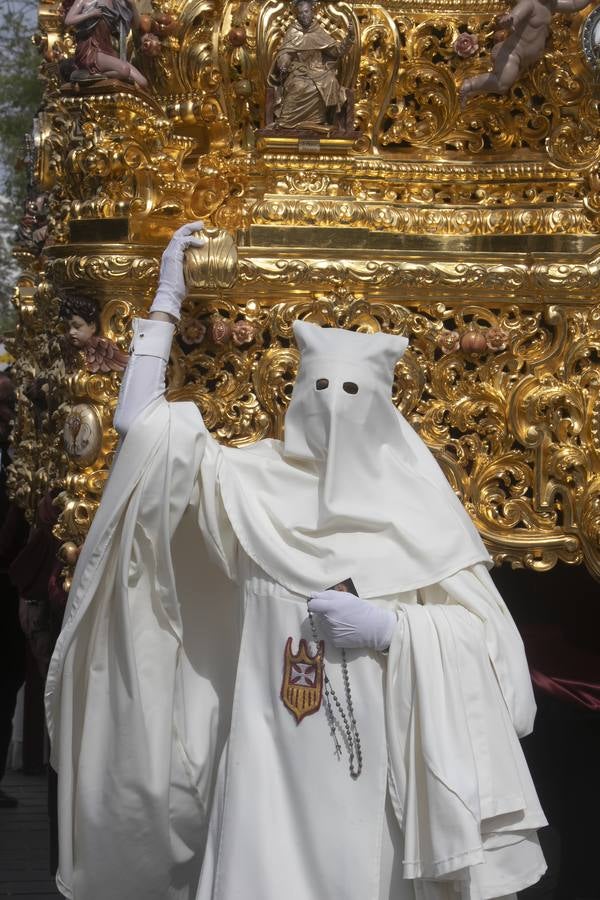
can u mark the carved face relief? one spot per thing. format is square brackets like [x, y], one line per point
[82, 434]
[304, 14]
[80, 332]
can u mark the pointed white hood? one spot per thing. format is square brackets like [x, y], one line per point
[352, 491]
[341, 419]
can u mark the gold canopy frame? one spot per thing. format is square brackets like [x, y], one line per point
[473, 231]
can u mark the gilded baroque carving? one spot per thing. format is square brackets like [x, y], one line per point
[510, 428]
[497, 279]
[437, 221]
[39, 461]
[95, 267]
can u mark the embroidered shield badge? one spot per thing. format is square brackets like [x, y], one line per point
[302, 685]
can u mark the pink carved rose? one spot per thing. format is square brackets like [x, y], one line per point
[193, 332]
[242, 333]
[496, 338]
[448, 341]
[220, 330]
[466, 44]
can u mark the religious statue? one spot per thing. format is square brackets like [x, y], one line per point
[528, 25]
[224, 724]
[308, 94]
[97, 24]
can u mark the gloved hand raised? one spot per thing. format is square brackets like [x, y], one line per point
[171, 284]
[349, 622]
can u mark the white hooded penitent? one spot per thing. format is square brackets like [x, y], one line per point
[352, 491]
[183, 775]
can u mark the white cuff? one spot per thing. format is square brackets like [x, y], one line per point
[151, 337]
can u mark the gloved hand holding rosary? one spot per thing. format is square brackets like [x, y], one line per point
[348, 622]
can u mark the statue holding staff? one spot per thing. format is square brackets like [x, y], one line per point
[308, 93]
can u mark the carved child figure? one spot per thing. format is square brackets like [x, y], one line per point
[83, 323]
[529, 25]
[81, 316]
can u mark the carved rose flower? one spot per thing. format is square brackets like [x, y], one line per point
[496, 338]
[242, 333]
[448, 341]
[237, 36]
[466, 44]
[220, 330]
[163, 25]
[193, 332]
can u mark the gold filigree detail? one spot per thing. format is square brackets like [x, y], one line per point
[437, 220]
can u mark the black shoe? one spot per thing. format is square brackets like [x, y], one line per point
[6, 801]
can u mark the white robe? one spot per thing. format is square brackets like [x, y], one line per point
[142, 706]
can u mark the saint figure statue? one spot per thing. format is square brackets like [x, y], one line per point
[308, 94]
[97, 23]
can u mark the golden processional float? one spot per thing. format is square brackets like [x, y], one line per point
[431, 169]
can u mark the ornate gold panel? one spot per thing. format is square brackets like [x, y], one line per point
[473, 230]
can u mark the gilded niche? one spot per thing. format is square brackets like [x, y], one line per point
[305, 93]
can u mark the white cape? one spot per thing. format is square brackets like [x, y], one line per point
[351, 490]
[140, 699]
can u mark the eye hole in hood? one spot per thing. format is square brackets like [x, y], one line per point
[350, 387]
[322, 383]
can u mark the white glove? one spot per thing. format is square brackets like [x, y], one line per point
[349, 622]
[171, 284]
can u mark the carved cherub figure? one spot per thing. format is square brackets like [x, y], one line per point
[96, 23]
[529, 25]
[83, 324]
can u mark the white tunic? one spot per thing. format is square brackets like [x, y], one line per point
[141, 708]
[438, 743]
[287, 818]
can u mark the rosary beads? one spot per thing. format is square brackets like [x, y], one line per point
[345, 723]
